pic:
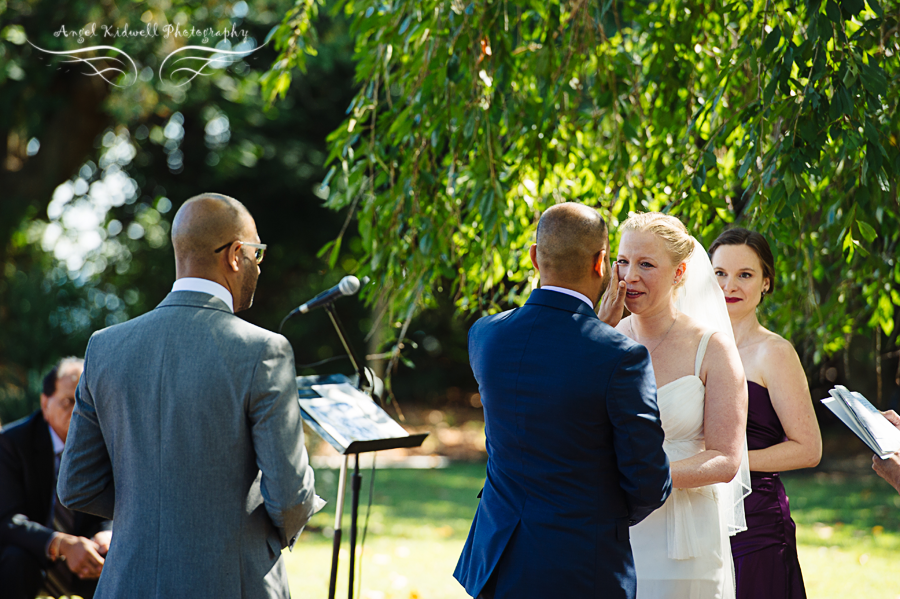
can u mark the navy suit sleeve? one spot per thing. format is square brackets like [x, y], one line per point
[638, 435]
[15, 528]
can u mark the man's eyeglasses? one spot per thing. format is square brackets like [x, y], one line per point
[259, 247]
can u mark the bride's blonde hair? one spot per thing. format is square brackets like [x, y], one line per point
[675, 237]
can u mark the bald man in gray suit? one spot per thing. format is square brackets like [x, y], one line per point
[187, 429]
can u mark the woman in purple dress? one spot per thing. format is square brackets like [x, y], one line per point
[782, 432]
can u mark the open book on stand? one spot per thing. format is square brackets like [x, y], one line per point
[348, 419]
[864, 420]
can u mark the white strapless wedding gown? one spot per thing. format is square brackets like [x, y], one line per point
[682, 550]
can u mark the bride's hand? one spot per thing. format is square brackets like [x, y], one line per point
[613, 303]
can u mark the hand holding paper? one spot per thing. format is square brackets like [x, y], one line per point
[876, 430]
[889, 468]
[892, 417]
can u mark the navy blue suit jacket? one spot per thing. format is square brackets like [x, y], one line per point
[575, 452]
[27, 483]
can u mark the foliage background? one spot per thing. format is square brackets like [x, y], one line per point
[450, 125]
[84, 220]
[471, 117]
[417, 142]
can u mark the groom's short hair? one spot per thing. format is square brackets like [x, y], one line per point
[569, 236]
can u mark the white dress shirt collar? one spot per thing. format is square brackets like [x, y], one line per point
[204, 286]
[58, 444]
[580, 296]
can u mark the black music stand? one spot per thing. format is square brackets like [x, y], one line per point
[348, 420]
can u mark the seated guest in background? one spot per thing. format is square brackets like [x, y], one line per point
[44, 546]
[782, 431]
[889, 468]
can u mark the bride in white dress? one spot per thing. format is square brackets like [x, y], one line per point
[682, 550]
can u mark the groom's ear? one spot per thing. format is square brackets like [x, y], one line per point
[533, 253]
[600, 262]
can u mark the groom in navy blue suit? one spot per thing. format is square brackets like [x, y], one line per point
[574, 439]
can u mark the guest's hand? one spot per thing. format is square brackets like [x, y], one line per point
[82, 556]
[892, 416]
[613, 303]
[103, 540]
[888, 469]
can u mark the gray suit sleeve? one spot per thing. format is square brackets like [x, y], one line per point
[288, 482]
[85, 473]
[638, 435]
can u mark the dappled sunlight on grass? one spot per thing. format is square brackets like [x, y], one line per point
[857, 512]
[848, 527]
[409, 502]
[419, 522]
[830, 572]
[392, 569]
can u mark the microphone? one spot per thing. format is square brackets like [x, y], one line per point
[348, 286]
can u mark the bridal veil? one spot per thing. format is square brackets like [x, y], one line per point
[701, 298]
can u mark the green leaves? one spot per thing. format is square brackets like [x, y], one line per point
[841, 103]
[780, 119]
[884, 314]
[875, 5]
[697, 182]
[833, 12]
[866, 230]
[772, 40]
[749, 159]
[853, 7]
[873, 79]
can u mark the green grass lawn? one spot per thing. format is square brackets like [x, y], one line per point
[848, 529]
[419, 522]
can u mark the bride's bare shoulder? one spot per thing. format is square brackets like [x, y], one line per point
[695, 331]
[690, 327]
[624, 326]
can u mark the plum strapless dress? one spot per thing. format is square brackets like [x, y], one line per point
[765, 555]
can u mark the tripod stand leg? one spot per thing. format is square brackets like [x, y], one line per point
[357, 483]
[338, 514]
[335, 551]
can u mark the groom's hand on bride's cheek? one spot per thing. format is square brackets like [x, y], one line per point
[612, 305]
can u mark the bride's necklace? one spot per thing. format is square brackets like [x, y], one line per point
[674, 320]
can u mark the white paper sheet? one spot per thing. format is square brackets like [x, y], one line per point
[864, 419]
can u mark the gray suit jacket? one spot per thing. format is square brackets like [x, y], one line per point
[187, 431]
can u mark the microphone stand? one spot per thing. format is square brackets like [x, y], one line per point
[338, 514]
[364, 386]
[367, 384]
[363, 382]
